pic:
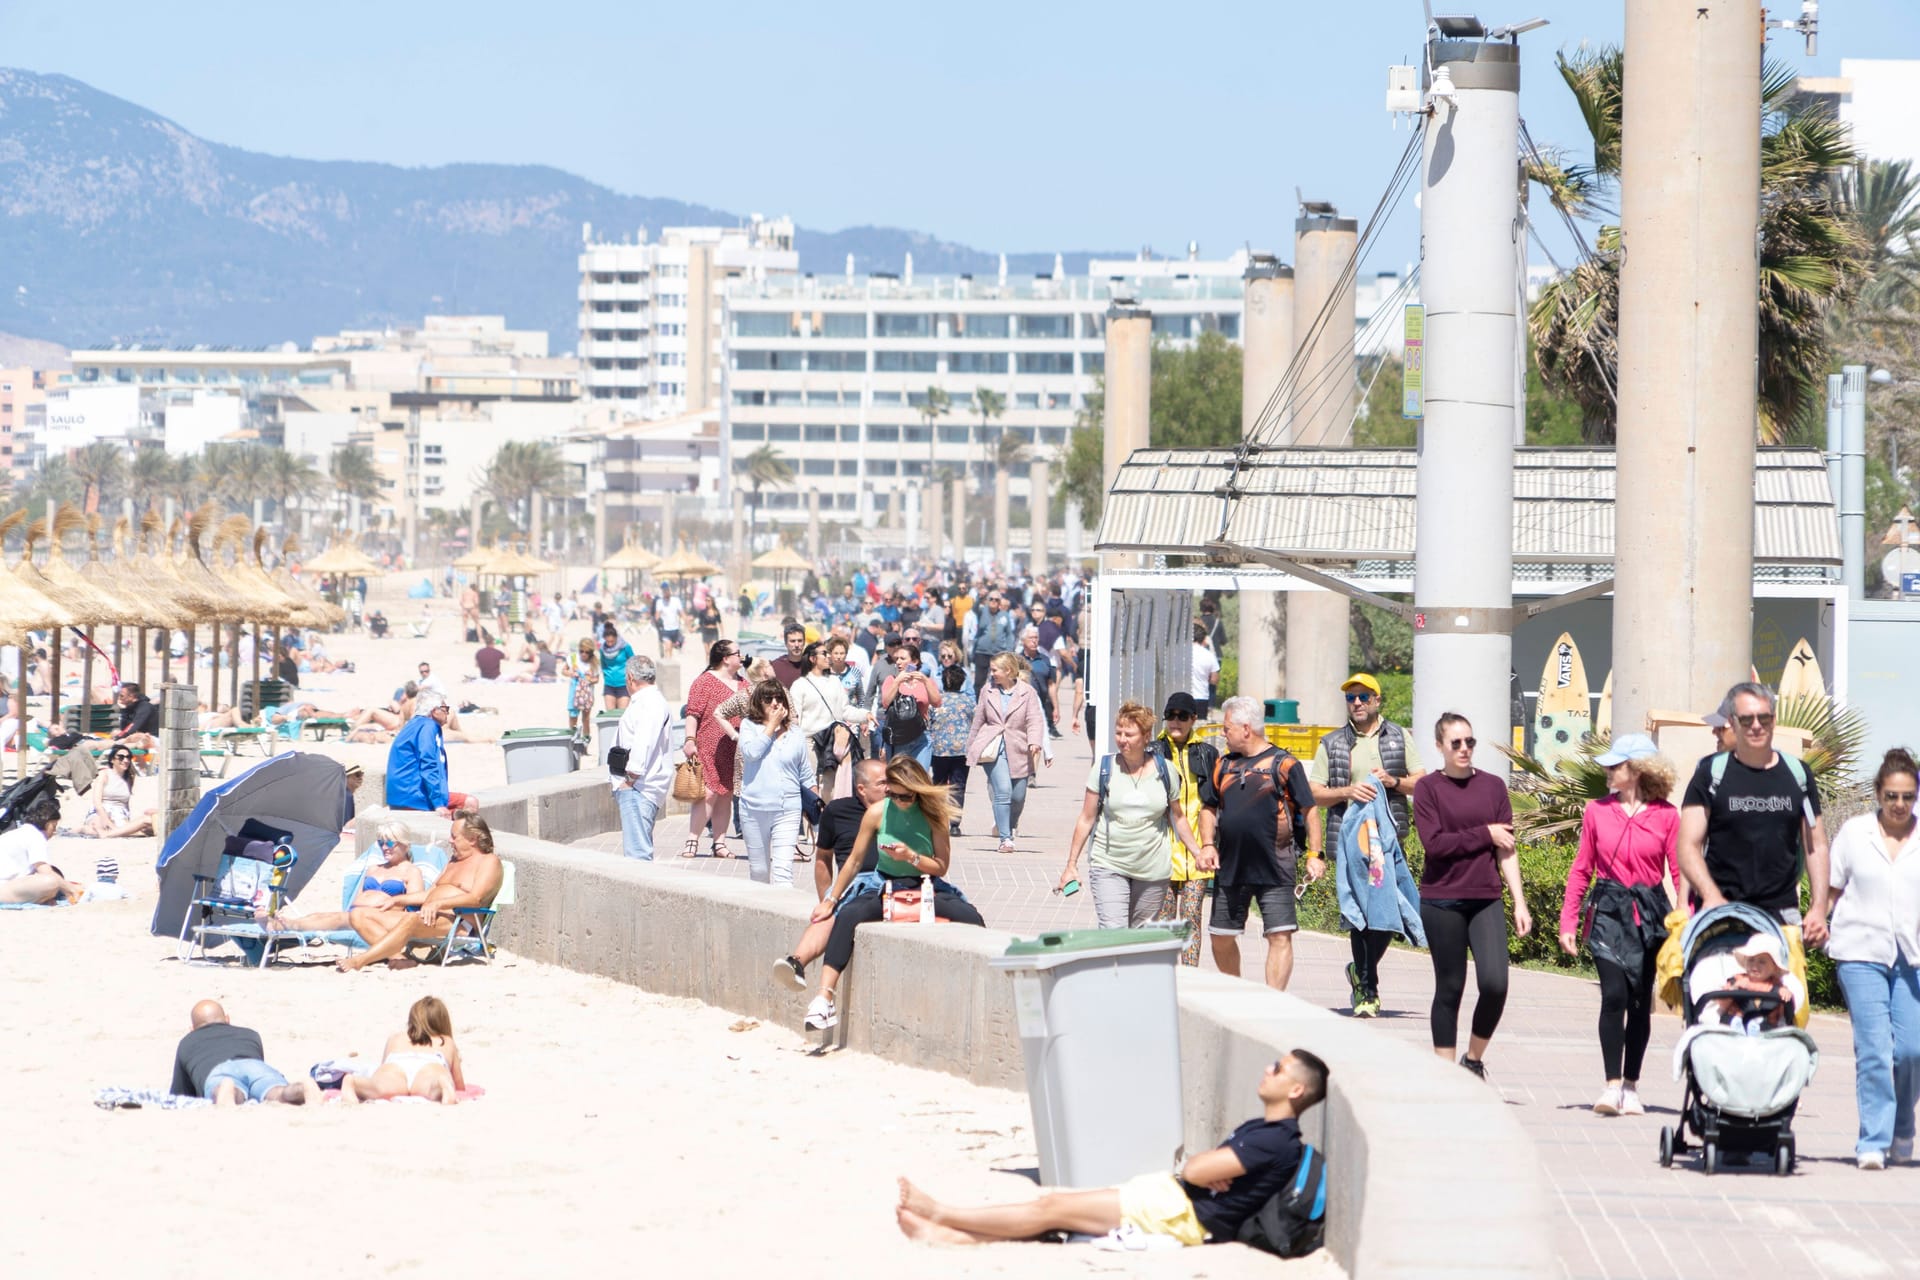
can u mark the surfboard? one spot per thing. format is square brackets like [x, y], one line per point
[1802, 677]
[1564, 713]
[1603, 718]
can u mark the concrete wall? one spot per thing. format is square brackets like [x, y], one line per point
[1428, 1175]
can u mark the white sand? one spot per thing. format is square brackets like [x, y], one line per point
[619, 1129]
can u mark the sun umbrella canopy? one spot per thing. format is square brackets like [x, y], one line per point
[343, 558]
[684, 564]
[24, 609]
[632, 557]
[782, 559]
[298, 793]
[476, 559]
[515, 563]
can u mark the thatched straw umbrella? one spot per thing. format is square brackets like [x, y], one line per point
[264, 601]
[203, 598]
[22, 609]
[88, 605]
[323, 611]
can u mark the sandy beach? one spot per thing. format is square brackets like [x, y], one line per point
[618, 1128]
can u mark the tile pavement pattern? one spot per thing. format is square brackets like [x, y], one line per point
[1620, 1213]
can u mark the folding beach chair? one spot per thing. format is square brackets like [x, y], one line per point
[252, 934]
[222, 905]
[470, 933]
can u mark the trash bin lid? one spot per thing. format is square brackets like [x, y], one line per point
[535, 733]
[1068, 945]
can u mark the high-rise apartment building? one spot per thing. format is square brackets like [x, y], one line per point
[650, 336]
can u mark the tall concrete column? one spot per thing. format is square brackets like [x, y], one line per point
[813, 524]
[700, 322]
[1853, 479]
[930, 511]
[476, 512]
[1463, 557]
[1689, 209]
[1075, 531]
[667, 530]
[536, 523]
[1002, 514]
[1321, 407]
[1040, 513]
[740, 556]
[599, 526]
[1266, 330]
[957, 514]
[1129, 365]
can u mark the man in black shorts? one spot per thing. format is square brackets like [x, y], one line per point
[839, 826]
[1252, 787]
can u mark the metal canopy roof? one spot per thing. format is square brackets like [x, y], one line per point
[1358, 504]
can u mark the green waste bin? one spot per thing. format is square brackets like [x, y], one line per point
[1283, 710]
[533, 754]
[1099, 1025]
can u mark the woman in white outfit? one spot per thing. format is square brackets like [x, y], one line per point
[776, 767]
[820, 703]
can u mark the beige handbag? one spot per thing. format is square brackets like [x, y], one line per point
[688, 785]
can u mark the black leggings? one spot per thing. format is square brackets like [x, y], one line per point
[951, 773]
[1626, 1016]
[866, 910]
[1369, 946]
[1453, 929]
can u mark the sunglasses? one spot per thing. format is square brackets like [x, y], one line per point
[1359, 697]
[1468, 743]
[1760, 720]
[1179, 715]
[1898, 797]
[900, 795]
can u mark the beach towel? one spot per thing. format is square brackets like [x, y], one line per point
[1392, 905]
[135, 1099]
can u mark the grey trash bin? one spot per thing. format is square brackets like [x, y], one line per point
[1100, 1031]
[532, 754]
[603, 726]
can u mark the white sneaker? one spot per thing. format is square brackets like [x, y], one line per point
[1630, 1104]
[1902, 1151]
[788, 972]
[821, 1015]
[1875, 1160]
[1609, 1103]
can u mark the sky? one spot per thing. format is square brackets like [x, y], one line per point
[1009, 127]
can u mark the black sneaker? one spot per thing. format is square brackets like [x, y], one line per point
[1474, 1065]
[791, 972]
[953, 828]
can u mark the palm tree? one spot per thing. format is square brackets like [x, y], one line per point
[1811, 253]
[936, 406]
[101, 469]
[1885, 199]
[150, 473]
[764, 466]
[289, 477]
[53, 483]
[522, 471]
[354, 476]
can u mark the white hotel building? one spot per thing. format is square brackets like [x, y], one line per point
[834, 372]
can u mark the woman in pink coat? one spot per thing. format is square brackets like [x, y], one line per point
[1008, 741]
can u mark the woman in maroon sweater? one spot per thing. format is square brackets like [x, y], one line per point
[1465, 821]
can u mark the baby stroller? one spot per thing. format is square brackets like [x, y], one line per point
[1742, 1086]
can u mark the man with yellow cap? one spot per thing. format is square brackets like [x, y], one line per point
[1367, 755]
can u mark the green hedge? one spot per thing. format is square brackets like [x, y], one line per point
[1543, 874]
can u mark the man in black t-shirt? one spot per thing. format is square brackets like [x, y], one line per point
[1744, 832]
[1214, 1193]
[1243, 801]
[226, 1064]
[833, 845]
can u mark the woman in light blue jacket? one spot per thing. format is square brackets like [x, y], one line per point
[776, 770]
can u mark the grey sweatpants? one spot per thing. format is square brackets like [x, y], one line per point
[1121, 902]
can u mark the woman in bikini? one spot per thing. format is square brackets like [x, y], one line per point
[112, 817]
[420, 1062]
[383, 883]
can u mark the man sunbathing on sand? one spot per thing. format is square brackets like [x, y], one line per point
[471, 879]
[225, 1063]
[1214, 1193]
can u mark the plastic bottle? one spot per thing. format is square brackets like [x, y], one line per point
[886, 900]
[926, 899]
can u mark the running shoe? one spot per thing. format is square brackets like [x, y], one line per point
[1902, 1151]
[1369, 1007]
[788, 971]
[1006, 846]
[1875, 1160]
[1609, 1103]
[821, 1015]
[1630, 1104]
[1356, 994]
[1474, 1065]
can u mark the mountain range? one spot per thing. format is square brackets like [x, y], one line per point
[117, 225]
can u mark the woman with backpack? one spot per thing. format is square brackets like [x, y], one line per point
[907, 702]
[1131, 806]
[1008, 741]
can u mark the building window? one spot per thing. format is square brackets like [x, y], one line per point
[882, 467]
[600, 364]
[783, 397]
[913, 467]
[977, 362]
[783, 431]
[762, 324]
[914, 434]
[904, 362]
[602, 306]
[849, 466]
[749, 431]
[953, 435]
[1093, 325]
[1053, 435]
[850, 432]
[763, 361]
[629, 335]
[886, 397]
[1092, 362]
[602, 335]
[1177, 328]
[1043, 326]
[845, 501]
[1224, 323]
[979, 328]
[1044, 362]
[603, 277]
[1026, 400]
[889, 324]
[749, 397]
[816, 466]
[629, 393]
[837, 361]
[816, 434]
[629, 277]
[881, 433]
[841, 324]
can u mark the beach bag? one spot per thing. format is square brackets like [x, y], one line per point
[688, 785]
[1293, 1222]
[905, 720]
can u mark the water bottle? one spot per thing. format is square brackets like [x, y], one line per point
[886, 900]
[926, 899]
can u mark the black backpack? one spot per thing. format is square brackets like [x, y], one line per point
[905, 720]
[19, 797]
[1293, 1222]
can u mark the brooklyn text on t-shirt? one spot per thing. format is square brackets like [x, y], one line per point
[1761, 804]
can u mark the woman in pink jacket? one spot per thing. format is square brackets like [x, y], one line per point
[1627, 855]
[1008, 741]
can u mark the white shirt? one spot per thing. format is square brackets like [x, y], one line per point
[646, 731]
[1205, 667]
[432, 682]
[818, 701]
[20, 848]
[1879, 913]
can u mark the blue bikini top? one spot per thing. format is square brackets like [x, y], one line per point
[392, 888]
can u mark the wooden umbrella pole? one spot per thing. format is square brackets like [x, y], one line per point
[193, 637]
[213, 661]
[233, 682]
[53, 683]
[256, 663]
[142, 664]
[166, 657]
[86, 682]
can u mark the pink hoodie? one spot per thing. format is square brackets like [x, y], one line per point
[1637, 850]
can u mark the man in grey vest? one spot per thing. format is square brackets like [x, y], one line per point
[993, 635]
[1363, 757]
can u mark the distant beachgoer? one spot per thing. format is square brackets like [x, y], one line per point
[25, 873]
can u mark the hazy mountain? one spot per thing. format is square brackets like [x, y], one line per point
[121, 226]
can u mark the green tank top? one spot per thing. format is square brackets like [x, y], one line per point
[906, 826]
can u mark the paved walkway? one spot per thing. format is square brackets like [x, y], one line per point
[1622, 1214]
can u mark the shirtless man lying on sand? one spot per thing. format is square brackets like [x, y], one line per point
[471, 879]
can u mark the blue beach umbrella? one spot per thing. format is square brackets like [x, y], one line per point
[296, 796]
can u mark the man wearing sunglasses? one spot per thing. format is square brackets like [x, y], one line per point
[1748, 817]
[1367, 756]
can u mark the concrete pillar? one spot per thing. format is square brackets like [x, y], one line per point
[1002, 514]
[536, 523]
[1040, 514]
[599, 526]
[477, 509]
[1266, 330]
[1129, 401]
[1853, 479]
[179, 756]
[740, 556]
[1463, 558]
[700, 322]
[930, 513]
[813, 524]
[1321, 402]
[957, 515]
[1689, 209]
[667, 530]
[1076, 527]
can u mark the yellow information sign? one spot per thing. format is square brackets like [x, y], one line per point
[1413, 400]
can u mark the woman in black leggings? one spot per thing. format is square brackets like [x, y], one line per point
[1465, 821]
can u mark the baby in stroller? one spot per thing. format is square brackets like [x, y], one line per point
[1763, 971]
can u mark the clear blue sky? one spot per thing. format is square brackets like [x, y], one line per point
[1029, 126]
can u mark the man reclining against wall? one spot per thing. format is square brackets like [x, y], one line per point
[471, 879]
[1213, 1194]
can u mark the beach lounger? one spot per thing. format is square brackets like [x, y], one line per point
[235, 739]
[320, 724]
[471, 931]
